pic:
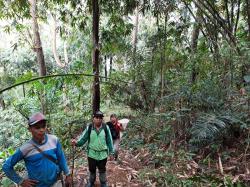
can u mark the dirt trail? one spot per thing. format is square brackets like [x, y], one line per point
[121, 173]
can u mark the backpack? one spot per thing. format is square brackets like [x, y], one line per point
[105, 130]
[114, 133]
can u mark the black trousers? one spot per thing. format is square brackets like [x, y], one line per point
[100, 164]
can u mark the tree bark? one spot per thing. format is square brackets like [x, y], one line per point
[66, 58]
[135, 35]
[163, 57]
[245, 67]
[38, 49]
[57, 59]
[248, 17]
[95, 56]
[194, 43]
[106, 67]
[216, 19]
[110, 65]
[37, 41]
[2, 103]
[237, 18]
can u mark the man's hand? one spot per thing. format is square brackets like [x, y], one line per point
[73, 142]
[68, 181]
[111, 157]
[29, 183]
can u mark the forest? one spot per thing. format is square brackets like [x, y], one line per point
[179, 70]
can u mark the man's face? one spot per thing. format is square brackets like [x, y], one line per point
[38, 131]
[97, 120]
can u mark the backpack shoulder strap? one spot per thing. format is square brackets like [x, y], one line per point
[89, 130]
[45, 155]
[104, 127]
[51, 159]
[106, 131]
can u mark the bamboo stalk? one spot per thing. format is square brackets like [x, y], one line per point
[220, 166]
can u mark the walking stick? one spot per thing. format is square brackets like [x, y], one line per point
[72, 150]
[73, 165]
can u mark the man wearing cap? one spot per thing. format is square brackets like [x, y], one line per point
[43, 156]
[100, 145]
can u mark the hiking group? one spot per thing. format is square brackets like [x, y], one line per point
[45, 160]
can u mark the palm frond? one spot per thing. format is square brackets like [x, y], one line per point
[209, 128]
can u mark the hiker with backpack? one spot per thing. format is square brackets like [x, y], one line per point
[115, 129]
[43, 156]
[100, 146]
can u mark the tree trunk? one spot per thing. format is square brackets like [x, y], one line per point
[24, 93]
[2, 103]
[194, 43]
[135, 35]
[248, 17]
[106, 67]
[66, 58]
[163, 57]
[37, 41]
[95, 56]
[57, 59]
[110, 65]
[216, 50]
[134, 42]
[245, 67]
[38, 48]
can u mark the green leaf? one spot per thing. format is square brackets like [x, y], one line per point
[247, 78]
[11, 151]
[6, 182]
[2, 155]
[25, 77]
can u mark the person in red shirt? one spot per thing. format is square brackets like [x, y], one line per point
[115, 128]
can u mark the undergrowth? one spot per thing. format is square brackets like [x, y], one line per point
[169, 158]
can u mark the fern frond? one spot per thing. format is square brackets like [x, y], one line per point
[211, 127]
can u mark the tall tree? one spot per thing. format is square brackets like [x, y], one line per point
[2, 103]
[38, 49]
[194, 43]
[248, 17]
[54, 31]
[37, 41]
[105, 68]
[95, 56]
[135, 35]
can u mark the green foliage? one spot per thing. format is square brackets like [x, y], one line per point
[153, 76]
[6, 182]
[168, 178]
[18, 61]
[14, 9]
[12, 135]
[5, 154]
[165, 165]
[148, 131]
[170, 175]
[25, 77]
[13, 129]
[247, 78]
[113, 34]
[209, 128]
